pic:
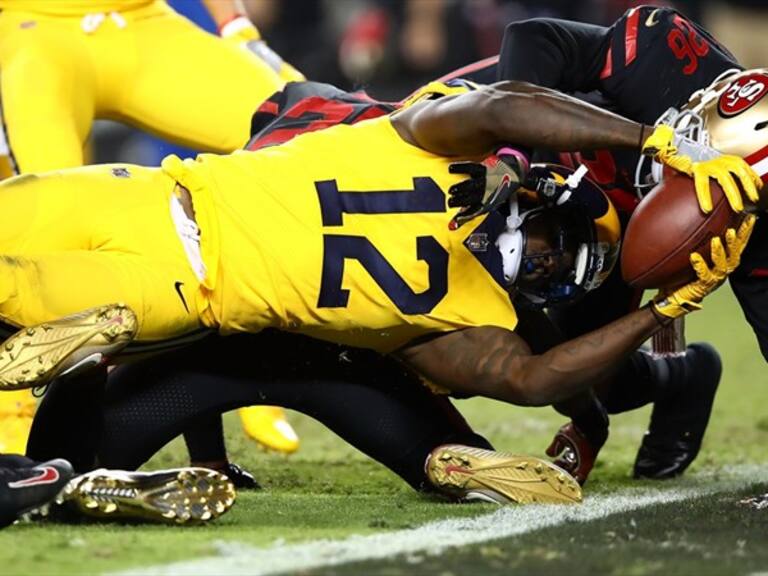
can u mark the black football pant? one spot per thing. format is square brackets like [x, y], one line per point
[750, 283]
[367, 399]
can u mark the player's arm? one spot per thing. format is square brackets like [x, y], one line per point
[234, 26]
[498, 363]
[519, 113]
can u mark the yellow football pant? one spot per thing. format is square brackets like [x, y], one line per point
[84, 237]
[149, 67]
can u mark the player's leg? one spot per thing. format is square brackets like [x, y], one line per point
[47, 109]
[115, 240]
[192, 87]
[682, 389]
[392, 417]
[47, 89]
[205, 444]
[750, 284]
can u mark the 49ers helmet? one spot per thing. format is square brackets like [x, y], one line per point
[730, 115]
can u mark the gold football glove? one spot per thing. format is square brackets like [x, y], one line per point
[688, 298]
[726, 169]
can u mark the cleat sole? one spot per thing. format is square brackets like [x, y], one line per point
[36, 355]
[183, 496]
[477, 474]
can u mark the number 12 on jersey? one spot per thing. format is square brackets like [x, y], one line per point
[425, 196]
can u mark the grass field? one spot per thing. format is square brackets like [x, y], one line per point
[367, 521]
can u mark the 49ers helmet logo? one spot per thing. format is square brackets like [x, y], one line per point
[742, 94]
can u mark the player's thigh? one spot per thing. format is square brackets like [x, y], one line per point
[193, 88]
[44, 287]
[47, 93]
[78, 208]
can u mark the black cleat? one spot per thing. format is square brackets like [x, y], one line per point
[678, 422]
[26, 485]
[240, 478]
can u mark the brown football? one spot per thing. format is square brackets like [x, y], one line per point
[666, 227]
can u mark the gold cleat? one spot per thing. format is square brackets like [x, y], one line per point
[36, 355]
[476, 474]
[178, 496]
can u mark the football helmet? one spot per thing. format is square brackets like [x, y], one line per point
[562, 236]
[730, 116]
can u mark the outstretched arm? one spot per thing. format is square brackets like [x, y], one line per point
[514, 113]
[497, 363]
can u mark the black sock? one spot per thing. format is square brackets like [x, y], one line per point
[593, 423]
[205, 440]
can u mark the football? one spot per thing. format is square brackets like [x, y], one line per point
[666, 227]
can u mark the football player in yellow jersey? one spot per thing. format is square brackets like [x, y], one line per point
[352, 247]
[66, 62]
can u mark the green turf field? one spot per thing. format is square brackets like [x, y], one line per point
[329, 491]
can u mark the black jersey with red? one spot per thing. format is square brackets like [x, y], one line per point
[308, 106]
[650, 60]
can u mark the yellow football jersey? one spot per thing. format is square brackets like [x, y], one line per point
[72, 7]
[342, 234]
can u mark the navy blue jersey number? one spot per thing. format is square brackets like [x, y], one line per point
[426, 196]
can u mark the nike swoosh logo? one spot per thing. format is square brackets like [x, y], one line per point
[48, 475]
[178, 286]
[651, 21]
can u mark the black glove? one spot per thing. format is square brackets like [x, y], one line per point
[490, 184]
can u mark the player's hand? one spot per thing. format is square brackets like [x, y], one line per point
[573, 452]
[731, 172]
[242, 32]
[723, 169]
[724, 261]
[490, 184]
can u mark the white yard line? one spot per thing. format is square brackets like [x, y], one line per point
[237, 558]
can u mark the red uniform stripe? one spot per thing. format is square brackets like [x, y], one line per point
[269, 107]
[755, 157]
[630, 37]
[608, 68]
[759, 273]
[469, 68]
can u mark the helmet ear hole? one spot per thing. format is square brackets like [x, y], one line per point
[761, 125]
